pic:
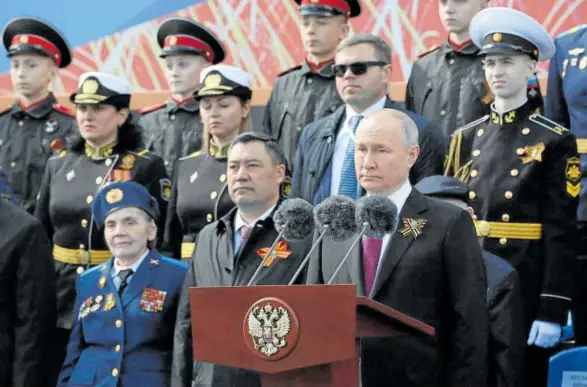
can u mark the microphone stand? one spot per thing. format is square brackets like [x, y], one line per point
[266, 258]
[307, 258]
[348, 254]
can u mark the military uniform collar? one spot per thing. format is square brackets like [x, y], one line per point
[101, 153]
[511, 117]
[189, 105]
[467, 49]
[325, 72]
[218, 152]
[38, 109]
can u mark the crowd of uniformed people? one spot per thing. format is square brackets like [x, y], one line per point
[121, 211]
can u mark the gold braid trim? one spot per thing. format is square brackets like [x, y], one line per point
[453, 159]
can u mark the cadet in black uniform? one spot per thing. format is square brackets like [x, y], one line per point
[199, 195]
[307, 92]
[35, 126]
[107, 151]
[524, 179]
[173, 128]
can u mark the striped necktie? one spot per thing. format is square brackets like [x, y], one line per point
[348, 180]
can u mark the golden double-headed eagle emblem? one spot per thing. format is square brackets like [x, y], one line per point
[269, 326]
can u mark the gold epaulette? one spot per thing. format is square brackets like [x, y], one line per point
[143, 152]
[191, 155]
[548, 124]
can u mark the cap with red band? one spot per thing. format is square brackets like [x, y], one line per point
[189, 42]
[180, 36]
[326, 8]
[33, 36]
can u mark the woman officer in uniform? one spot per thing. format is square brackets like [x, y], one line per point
[105, 151]
[199, 194]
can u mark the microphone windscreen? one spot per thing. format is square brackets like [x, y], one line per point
[295, 216]
[379, 213]
[338, 212]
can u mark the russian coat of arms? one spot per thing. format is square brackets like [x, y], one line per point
[269, 326]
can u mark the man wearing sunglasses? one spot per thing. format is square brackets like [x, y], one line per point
[324, 163]
[307, 92]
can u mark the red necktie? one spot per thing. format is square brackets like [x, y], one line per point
[371, 251]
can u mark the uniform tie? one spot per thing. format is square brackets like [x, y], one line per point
[371, 252]
[123, 275]
[348, 180]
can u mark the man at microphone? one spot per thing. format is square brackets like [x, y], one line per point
[430, 268]
[229, 251]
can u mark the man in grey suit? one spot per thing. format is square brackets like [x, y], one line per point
[431, 268]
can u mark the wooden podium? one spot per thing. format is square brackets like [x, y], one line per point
[304, 335]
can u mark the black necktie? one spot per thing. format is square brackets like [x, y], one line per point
[123, 275]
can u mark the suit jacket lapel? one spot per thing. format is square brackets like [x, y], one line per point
[142, 278]
[398, 244]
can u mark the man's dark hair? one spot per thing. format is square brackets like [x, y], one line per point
[272, 148]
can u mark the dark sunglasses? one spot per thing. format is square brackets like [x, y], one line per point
[357, 68]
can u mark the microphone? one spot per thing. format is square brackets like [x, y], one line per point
[336, 218]
[293, 220]
[377, 215]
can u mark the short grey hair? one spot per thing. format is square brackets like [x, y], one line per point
[382, 49]
[409, 127]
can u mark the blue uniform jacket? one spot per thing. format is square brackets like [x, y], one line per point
[129, 339]
[566, 98]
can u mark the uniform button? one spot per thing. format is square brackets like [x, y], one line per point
[13, 164]
[209, 218]
[329, 140]
[452, 61]
[89, 199]
[114, 372]
[443, 112]
[117, 348]
[118, 323]
[299, 128]
[480, 132]
[508, 194]
[503, 241]
[166, 162]
[474, 217]
[108, 162]
[84, 223]
[514, 172]
[79, 270]
[520, 151]
[472, 195]
[99, 180]
[223, 178]
[20, 123]
[526, 131]
[82, 246]
[309, 80]
[474, 173]
[172, 117]
[476, 152]
[505, 217]
[213, 195]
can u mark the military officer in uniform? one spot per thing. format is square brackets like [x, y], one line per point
[173, 129]
[230, 250]
[125, 308]
[107, 150]
[199, 195]
[565, 103]
[447, 84]
[35, 126]
[524, 178]
[306, 93]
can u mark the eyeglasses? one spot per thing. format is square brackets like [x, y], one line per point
[357, 68]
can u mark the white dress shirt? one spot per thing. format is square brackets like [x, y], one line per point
[345, 134]
[116, 269]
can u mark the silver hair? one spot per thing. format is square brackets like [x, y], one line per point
[382, 49]
[409, 127]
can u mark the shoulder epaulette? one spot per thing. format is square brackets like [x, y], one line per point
[191, 155]
[149, 109]
[144, 153]
[572, 30]
[99, 267]
[429, 50]
[289, 70]
[59, 156]
[63, 109]
[174, 262]
[473, 123]
[548, 124]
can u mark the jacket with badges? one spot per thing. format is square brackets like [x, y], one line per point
[124, 341]
[215, 263]
[199, 197]
[172, 130]
[299, 97]
[524, 179]
[566, 101]
[28, 138]
[447, 86]
[71, 181]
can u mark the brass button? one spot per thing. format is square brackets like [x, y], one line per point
[474, 217]
[514, 172]
[13, 164]
[223, 178]
[209, 218]
[472, 195]
[108, 162]
[483, 228]
[114, 372]
[118, 323]
[84, 223]
[503, 241]
[526, 131]
[508, 194]
[79, 270]
[20, 123]
[99, 180]
[476, 152]
[505, 217]
[299, 128]
[480, 132]
[82, 246]
[213, 195]
[474, 173]
[117, 348]
[89, 199]
[520, 151]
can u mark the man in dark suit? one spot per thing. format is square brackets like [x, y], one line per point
[324, 160]
[430, 268]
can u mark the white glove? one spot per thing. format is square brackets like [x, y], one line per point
[544, 334]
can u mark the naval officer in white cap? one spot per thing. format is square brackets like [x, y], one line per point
[524, 178]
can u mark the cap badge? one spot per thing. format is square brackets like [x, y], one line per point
[497, 37]
[212, 80]
[90, 86]
[173, 40]
[114, 196]
[24, 39]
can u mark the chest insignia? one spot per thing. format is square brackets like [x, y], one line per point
[128, 162]
[413, 227]
[51, 126]
[281, 252]
[70, 175]
[165, 189]
[573, 175]
[110, 302]
[532, 153]
[102, 282]
[193, 177]
[152, 300]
